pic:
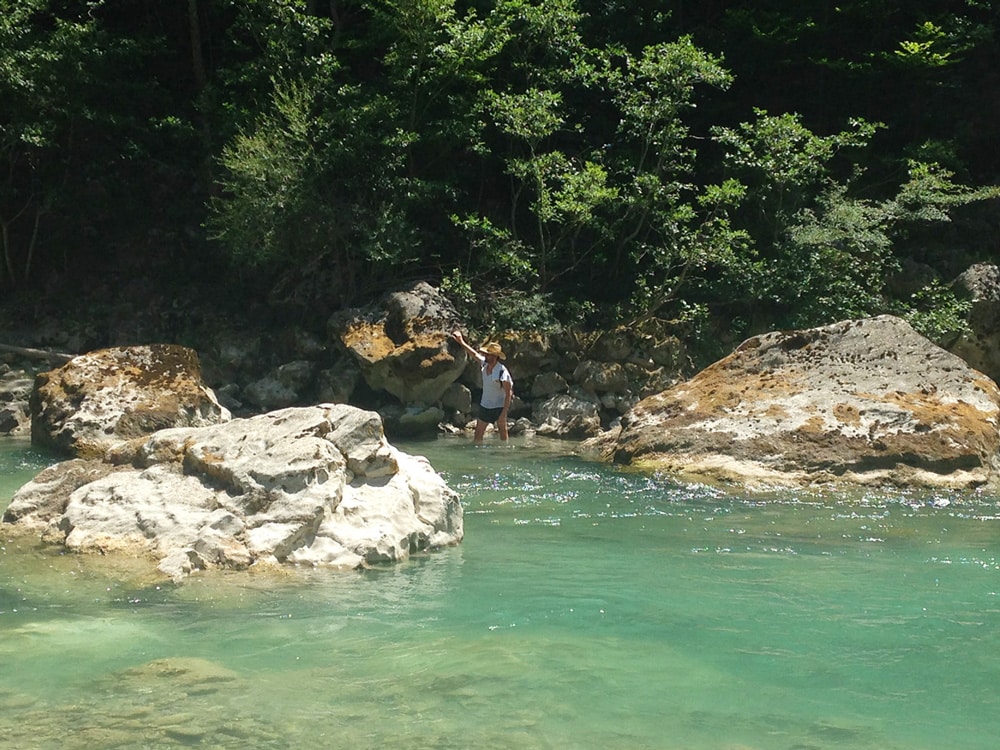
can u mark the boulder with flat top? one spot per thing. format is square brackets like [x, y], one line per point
[863, 401]
[98, 399]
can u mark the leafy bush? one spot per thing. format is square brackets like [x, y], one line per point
[936, 312]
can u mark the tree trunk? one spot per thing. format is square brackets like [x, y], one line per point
[6, 264]
[197, 61]
[31, 245]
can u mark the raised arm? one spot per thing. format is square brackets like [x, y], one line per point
[457, 335]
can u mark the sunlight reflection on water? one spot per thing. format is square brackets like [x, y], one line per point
[587, 607]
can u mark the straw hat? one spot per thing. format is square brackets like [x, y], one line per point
[492, 348]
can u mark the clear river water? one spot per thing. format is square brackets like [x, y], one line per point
[588, 607]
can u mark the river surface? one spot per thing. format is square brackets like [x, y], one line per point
[588, 607]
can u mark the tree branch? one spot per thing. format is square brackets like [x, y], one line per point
[37, 353]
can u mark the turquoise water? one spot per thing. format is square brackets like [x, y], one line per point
[588, 607]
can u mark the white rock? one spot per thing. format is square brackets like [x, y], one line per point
[317, 485]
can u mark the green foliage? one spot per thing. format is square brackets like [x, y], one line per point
[494, 252]
[530, 116]
[494, 283]
[668, 226]
[784, 164]
[461, 291]
[267, 201]
[926, 48]
[656, 87]
[817, 251]
[266, 41]
[502, 308]
[311, 181]
[434, 59]
[625, 211]
[67, 126]
[822, 252]
[940, 44]
[936, 312]
[517, 310]
[546, 160]
[834, 260]
[601, 193]
[931, 192]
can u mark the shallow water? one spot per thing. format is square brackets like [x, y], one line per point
[588, 607]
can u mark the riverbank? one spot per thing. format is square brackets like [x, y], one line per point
[395, 356]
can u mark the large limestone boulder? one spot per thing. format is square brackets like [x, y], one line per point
[314, 486]
[403, 344]
[100, 398]
[868, 401]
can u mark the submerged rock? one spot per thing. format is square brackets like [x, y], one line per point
[317, 485]
[867, 401]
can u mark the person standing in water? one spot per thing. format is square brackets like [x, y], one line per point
[498, 387]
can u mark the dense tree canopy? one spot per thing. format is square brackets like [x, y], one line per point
[766, 164]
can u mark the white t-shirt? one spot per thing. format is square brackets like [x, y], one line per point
[493, 391]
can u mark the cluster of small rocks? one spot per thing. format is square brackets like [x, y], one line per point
[19, 367]
[16, 383]
[397, 357]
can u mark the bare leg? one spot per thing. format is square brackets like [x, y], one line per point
[480, 431]
[502, 426]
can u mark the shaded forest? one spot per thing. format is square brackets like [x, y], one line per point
[729, 167]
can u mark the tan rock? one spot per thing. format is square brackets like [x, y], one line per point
[403, 344]
[867, 401]
[109, 395]
[979, 345]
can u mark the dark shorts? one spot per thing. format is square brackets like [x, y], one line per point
[490, 416]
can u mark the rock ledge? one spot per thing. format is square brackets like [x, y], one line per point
[865, 401]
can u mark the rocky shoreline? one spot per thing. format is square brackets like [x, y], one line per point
[631, 394]
[396, 357]
[157, 465]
